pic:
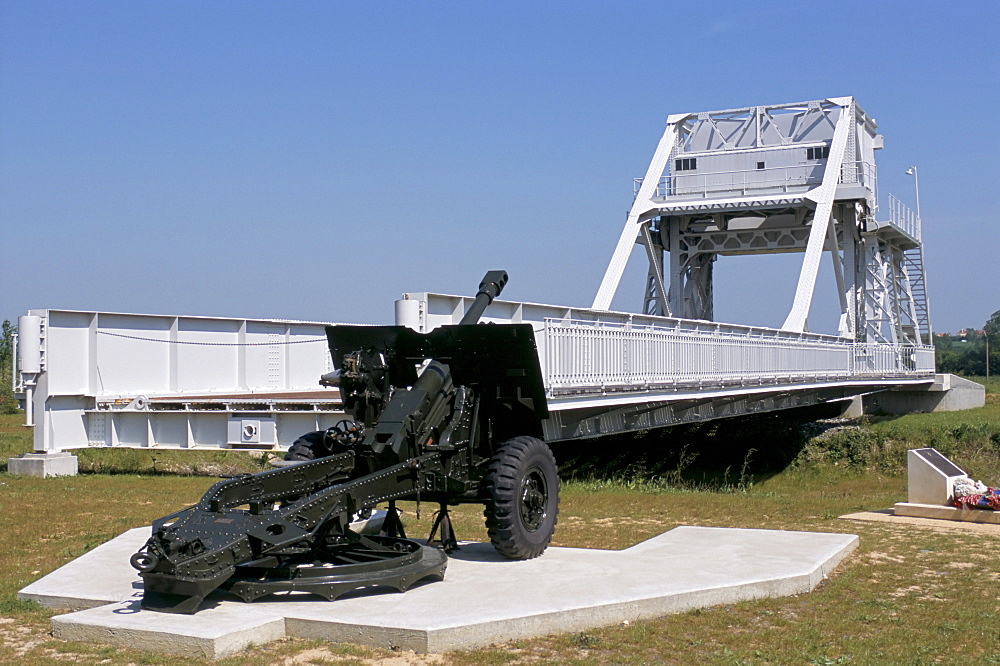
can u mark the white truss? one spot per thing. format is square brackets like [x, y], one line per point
[823, 196]
[783, 178]
[891, 303]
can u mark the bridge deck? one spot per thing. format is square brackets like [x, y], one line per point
[179, 382]
[608, 372]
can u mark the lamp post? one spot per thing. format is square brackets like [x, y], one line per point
[912, 171]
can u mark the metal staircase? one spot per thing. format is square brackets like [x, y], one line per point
[913, 261]
[910, 262]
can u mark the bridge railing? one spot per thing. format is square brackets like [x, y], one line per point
[790, 178]
[884, 359]
[583, 356]
[582, 350]
[903, 218]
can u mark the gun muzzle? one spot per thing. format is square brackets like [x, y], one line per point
[491, 286]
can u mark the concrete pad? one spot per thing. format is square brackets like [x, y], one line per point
[887, 516]
[946, 513]
[75, 585]
[96, 578]
[484, 598]
[211, 634]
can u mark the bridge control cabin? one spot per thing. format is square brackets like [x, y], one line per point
[767, 151]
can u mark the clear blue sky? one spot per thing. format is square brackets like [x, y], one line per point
[314, 160]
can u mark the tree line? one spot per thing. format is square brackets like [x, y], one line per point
[970, 352]
[8, 405]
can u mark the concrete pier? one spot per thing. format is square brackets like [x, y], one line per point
[43, 465]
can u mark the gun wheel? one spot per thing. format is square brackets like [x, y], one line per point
[307, 447]
[522, 498]
[322, 443]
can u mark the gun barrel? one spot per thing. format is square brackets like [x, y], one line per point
[491, 286]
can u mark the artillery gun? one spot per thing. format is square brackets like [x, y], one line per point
[453, 416]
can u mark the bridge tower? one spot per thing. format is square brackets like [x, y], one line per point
[783, 178]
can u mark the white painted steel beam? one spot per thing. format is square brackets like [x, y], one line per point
[846, 324]
[591, 416]
[642, 205]
[654, 254]
[75, 364]
[823, 196]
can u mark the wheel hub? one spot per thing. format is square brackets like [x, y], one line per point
[534, 493]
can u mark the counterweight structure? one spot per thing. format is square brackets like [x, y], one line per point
[783, 178]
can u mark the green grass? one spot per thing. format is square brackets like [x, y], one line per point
[908, 595]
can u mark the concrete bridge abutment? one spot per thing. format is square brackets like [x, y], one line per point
[947, 393]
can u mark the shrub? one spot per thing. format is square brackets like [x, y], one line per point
[8, 405]
[856, 446]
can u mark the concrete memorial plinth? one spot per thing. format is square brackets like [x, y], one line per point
[931, 487]
[484, 598]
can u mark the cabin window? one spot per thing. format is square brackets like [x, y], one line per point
[760, 165]
[818, 153]
[686, 164]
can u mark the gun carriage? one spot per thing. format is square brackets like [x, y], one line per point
[451, 417]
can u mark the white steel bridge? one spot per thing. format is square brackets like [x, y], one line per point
[758, 180]
[608, 372]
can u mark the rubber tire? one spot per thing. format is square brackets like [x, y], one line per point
[519, 461]
[308, 447]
